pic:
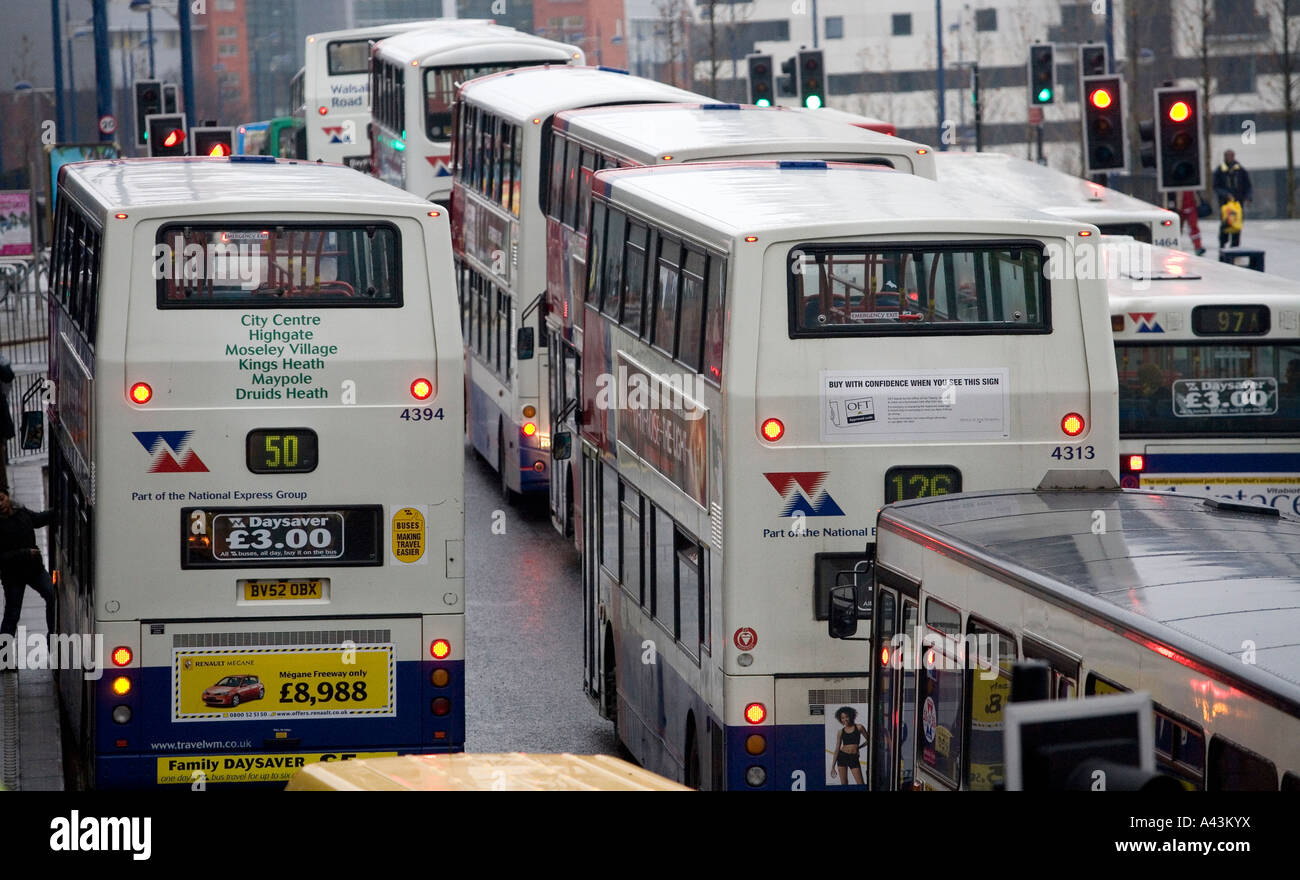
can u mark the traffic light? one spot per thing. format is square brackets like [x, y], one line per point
[1103, 125]
[1042, 73]
[213, 141]
[166, 134]
[789, 81]
[1147, 143]
[762, 84]
[170, 98]
[1178, 140]
[812, 79]
[148, 100]
[1092, 60]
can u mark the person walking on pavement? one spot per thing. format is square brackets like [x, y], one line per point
[1233, 190]
[1189, 208]
[21, 565]
[6, 421]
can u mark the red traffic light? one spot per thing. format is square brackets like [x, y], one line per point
[219, 150]
[173, 137]
[1100, 98]
[1179, 111]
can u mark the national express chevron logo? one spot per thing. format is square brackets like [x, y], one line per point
[157, 444]
[803, 493]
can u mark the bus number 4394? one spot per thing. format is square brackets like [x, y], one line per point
[421, 415]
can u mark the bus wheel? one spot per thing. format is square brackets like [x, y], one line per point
[692, 768]
[609, 684]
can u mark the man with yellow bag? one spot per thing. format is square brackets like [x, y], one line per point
[1232, 187]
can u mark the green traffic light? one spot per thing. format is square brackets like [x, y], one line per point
[763, 102]
[1044, 95]
[813, 102]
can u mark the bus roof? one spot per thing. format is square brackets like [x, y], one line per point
[475, 772]
[1202, 577]
[204, 185]
[380, 31]
[1175, 273]
[688, 132]
[517, 95]
[1049, 190]
[445, 41]
[776, 196]
[855, 119]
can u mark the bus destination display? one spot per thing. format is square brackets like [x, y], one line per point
[282, 450]
[1230, 320]
[906, 483]
[252, 537]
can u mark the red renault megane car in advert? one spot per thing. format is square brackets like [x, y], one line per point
[233, 690]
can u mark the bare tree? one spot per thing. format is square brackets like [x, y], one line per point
[714, 62]
[1286, 55]
[672, 34]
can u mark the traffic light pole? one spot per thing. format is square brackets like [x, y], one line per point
[938, 30]
[975, 97]
[1038, 134]
[187, 58]
[103, 71]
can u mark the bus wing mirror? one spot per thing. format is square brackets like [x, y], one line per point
[843, 618]
[33, 430]
[524, 343]
[561, 446]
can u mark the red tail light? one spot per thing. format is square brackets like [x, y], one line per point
[141, 393]
[122, 656]
[421, 389]
[1072, 425]
[1136, 463]
[440, 649]
[755, 713]
[773, 430]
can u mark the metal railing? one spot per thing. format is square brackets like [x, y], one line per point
[24, 340]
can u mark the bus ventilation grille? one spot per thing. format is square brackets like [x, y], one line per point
[818, 700]
[715, 524]
[310, 637]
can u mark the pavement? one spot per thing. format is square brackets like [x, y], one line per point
[31, 756]
[1278, 239]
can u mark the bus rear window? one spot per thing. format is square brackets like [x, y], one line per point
[926, 289]
[1205, 390]
[348, 56]
[219, 266]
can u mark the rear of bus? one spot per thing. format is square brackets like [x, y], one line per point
[594, 138]
[336, 93]
[908, 340]
[278, 534]
[1208, 357]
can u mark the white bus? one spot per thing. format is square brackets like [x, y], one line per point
[772, 352]
[620, 136]
[870, 123]
[1208, 357]
[503, 168]
[1141, 604]
[255, 361]
[1055, 192]
[414, 78]
[335, 92]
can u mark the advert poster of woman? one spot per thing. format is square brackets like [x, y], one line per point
[846, 739]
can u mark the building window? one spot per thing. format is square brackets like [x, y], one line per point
[903, 24]
[226, 50]
[986, 19]
[228, 32]
[226, 6]
[835, 27]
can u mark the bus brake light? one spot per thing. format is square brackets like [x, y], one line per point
[1137, 463]
[1072, 425]
[322, 110]
[421, 389]
[529, 429]
[773, 430]
[122, 656]
[141, 392]
[755, 713]
[440, 649]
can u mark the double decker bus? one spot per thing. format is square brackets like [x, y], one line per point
[254, 362]
[278, 137]
[966, 585]
[503, 169]
[623, 136]
[1064, 195]
[1208, 356]
[331, 97]
[414, 78]
[771, 352]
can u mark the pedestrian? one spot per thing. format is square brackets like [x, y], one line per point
[6, 421]
[21, 565]
[1189, 208]
[1231, 187]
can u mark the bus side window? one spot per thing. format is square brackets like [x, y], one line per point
[571, 170]
[1096, 686]
[664, 604]
[609, 519]
[1063, 680]
[940, 720]
[589, 165]
[692, 311]
[612, 271]
[1233, 768]
[714, 318]
[634, 278]
[555, 194]
[665, 326]
[630, 529]
[595, 254]
[1180, 749]
[690, 596]
[516, 165]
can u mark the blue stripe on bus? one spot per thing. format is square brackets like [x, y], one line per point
[1222, 463]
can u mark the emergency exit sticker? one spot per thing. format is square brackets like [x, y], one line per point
[409, 535]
